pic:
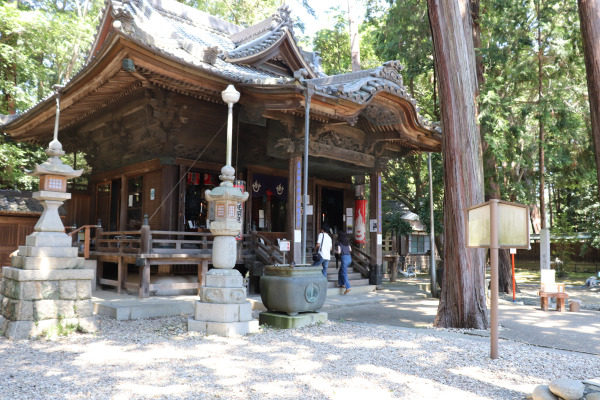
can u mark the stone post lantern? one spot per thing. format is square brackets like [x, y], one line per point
[47, 283]
[223, 308]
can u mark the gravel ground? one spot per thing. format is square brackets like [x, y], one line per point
[158, 359]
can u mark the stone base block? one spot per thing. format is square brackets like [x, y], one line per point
[49, 275]
[29, 251]
[39, 310]
[222, 295]
[222, 312]
[225, 281]
[30, 330]
[48, 239]
[47, 263]
[284, 321]
[92, 265]
[223, 328]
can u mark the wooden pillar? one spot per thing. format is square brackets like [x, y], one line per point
[168, 220]
[394, 261]
[375, 238]
[144, 279]
[145, 247]
[121, 275]
[123, 210]
[181, 201]
[294, 208]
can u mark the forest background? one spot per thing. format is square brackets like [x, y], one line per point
[533, 98]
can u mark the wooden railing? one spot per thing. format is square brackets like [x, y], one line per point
[145, 248]
[268, 252]
[360, 260]
[118, 242]
[87, 238]
[168, 242]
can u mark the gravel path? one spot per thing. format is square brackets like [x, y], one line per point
[159, 359]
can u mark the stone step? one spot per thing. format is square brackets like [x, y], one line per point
[351, 276]
[335, 291]
[353, 283]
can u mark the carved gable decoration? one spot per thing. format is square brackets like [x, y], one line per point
[331, 138]
[270, 44]
[380, 115]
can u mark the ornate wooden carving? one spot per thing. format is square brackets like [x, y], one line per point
[380, 115]
[328, 144]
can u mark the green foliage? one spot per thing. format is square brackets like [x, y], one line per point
[62, 329]
[42, 44]
[564, 238]
[393, 222]
[511, 106]
[240, 12]
[16, 158]
[407, 181]
[334, 45]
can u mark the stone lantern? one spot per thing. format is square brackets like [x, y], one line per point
[47, 284]
[223, 308]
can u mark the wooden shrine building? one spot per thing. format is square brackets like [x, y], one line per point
[147, 111]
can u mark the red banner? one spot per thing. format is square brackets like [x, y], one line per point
[360, 221]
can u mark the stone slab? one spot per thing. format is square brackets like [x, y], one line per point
[48, 239]
[49, 275]
[18, 330]
[222, 312]
[47, 263]
[284, 321]
[51, 195]
[222, 295]
[223, 328]
[30, 251]
[139, 310]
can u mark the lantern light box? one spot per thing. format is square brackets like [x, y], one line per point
[512, 224]
[53, 183]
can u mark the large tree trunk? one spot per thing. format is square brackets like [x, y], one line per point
[589, 16]
[462, 301]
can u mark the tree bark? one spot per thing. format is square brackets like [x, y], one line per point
[589, 17]
[354, 38]
[462, 300]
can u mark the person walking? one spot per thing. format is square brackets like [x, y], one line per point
[344, 249]
[323, 247]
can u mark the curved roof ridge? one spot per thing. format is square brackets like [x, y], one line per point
[191, 15]
[361, 86]
[281, 17]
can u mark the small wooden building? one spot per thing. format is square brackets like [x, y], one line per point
[147, 111]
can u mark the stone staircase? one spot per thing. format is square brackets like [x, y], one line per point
[358, 283]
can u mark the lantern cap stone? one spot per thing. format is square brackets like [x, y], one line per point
[54, 165]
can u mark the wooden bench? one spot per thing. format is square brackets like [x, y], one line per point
[560, 300]
[556, 290]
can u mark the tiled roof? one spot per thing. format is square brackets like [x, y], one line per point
[21, 202]
[360, 87]
[13, 201]
[191, 35]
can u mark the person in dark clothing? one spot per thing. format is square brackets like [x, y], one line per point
[344, 249]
